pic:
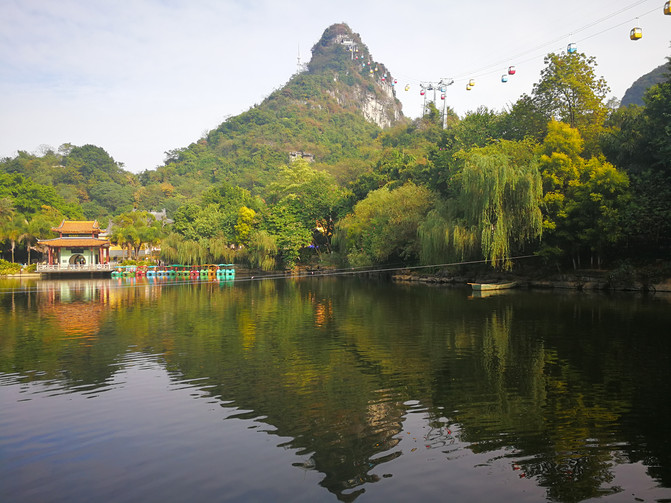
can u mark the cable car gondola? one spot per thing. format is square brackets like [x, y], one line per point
[572, 48]
[407, 87]
[636, 33]
[471, 82]
[504, 78]
[511, 70]
[667, 8]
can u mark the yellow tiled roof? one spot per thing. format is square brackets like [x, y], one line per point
[75, 242]
[78, 227]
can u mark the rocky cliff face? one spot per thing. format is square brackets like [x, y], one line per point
[359, 82]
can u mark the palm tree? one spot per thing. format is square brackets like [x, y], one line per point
[14, 230]
[116, 237]
[29, 239]
[7, 212]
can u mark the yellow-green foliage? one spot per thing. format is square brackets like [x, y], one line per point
[384, 225]
[583, 198]
[9, 267]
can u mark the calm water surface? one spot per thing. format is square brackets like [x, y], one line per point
[330, 389]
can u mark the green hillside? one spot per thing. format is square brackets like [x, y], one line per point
[86, 177]
[327, 170]
[319, 112]
[634, 95]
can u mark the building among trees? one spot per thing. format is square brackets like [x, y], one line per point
[78, 244]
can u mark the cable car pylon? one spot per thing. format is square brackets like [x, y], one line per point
[441, 86]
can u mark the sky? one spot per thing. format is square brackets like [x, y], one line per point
[140, 78]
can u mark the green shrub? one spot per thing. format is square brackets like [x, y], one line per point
[9, 268]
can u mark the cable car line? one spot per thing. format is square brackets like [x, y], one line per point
[498, 65]
[619, 25]
[495, 67]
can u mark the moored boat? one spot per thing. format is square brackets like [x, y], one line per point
[482, 287]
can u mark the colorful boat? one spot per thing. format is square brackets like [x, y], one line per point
[225, 271]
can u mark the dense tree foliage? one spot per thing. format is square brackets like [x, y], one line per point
[133, 230]
[569, 91]
[86, 177]
[559, 173]
[383, 227]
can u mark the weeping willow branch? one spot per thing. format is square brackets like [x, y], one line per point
[496, 211]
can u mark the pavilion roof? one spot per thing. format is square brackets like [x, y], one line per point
[75, 242]
[78, 227]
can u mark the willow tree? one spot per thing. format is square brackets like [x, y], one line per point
[496, 209]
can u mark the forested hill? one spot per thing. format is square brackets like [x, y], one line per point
[328, 169]
[634, 95]
[330, 113]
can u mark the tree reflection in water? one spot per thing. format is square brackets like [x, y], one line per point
[559, 388]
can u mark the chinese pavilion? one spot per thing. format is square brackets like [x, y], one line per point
[78, 244]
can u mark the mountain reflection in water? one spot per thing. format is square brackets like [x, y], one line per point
[127, 390]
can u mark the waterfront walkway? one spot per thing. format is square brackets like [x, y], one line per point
[93, 269]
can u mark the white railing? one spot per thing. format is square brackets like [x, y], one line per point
[73, 267]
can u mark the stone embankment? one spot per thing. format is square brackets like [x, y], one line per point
[591, 281]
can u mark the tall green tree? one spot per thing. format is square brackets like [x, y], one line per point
[583, 198]
[569, 91]
[311, 195]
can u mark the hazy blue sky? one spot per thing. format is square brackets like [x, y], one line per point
[142, 77]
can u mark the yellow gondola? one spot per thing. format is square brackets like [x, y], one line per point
[407, 87]
[636, 33]
[667, 8]
[471, 82]
[468, 86]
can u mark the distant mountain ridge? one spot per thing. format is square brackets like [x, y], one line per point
[634, 95]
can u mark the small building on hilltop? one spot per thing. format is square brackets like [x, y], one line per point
[306, 156]
[77, 246]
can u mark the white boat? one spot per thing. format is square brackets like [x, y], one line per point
[486, 287]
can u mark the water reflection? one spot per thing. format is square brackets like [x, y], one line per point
[377, 388]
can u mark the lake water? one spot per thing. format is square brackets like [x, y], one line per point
[329, 389]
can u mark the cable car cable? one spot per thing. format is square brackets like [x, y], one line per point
[477, 72]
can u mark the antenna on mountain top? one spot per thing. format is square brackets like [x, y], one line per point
[301, 67]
